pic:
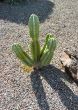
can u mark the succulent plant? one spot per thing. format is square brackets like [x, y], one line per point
[39, 57]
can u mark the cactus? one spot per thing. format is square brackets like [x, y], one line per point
[35, 51]
[34, 27]
[22, 55]
[39, 57]
[51, 42]
[48, 50]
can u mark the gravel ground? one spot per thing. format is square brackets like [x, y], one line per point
[50, 89]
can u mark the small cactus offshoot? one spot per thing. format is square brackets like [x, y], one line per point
[39, 57]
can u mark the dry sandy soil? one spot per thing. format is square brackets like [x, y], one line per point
[50, 88]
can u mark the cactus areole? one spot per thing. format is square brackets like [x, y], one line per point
[39, 57]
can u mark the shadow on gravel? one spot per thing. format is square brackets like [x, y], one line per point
[20, 13]
[54, 78]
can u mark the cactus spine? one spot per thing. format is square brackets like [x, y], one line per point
[40, 57]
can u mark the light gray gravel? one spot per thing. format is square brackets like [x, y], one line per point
[50, 89]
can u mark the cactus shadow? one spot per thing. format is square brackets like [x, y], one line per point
[54, 77]
[20, 13]
[38, 89]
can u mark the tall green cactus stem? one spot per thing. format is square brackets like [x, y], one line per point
[35, 51]
[22, 55]
[34, 27]
[46, 57]
[50, 42]
[34, 34]
[48, 50]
